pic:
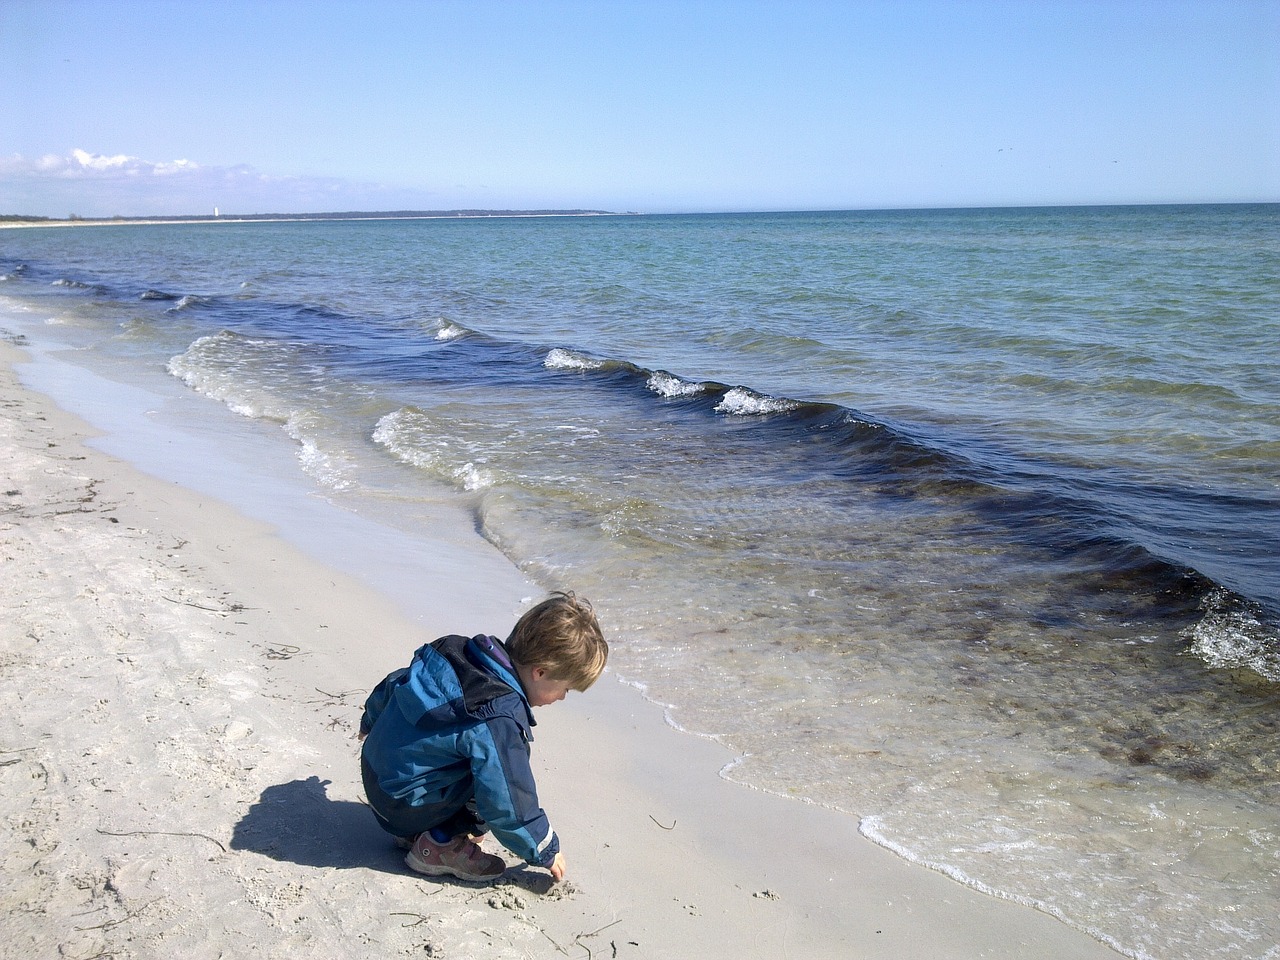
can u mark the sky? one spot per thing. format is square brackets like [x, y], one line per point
[168, 108]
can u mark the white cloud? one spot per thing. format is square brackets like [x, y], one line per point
[96, 185]
[81, 164]
[96, 161]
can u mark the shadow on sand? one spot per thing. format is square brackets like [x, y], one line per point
[298, 822]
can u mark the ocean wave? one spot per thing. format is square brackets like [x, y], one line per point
[407, 434]
[734, 401]
[190, 300]
[669, 385]
[560, 358]
[329, 469]
[263, 380]
[742, 402]
[1231, 636]
[451, 331]
[10, 305]
[136, 327]
[214, 365]
[564, 358]
[72, 284]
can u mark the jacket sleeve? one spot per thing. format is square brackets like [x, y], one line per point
[506, 796]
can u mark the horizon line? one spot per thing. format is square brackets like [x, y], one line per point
[481, 213]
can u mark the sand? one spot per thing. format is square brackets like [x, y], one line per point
[179, 771]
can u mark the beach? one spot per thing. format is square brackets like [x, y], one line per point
[918, 524]
[180, 764]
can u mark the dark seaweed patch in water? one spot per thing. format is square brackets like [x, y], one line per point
[1181, 760]
[1196, 772]
[1082, 519]
[882, 459]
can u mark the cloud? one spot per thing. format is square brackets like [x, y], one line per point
[83, 164]
[95, 161]
[97, 185]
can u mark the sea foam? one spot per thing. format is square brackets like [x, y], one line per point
[561, 359]
[668, 385]
[402, 433]
[741, 402]
[1230, 639]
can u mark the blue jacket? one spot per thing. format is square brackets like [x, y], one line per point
[451, 727]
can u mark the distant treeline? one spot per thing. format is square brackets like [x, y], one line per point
[345, 215]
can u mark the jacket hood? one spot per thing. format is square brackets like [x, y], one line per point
[458, 680]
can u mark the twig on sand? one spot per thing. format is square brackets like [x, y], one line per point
[582, 936]
[124, 919]
[525, 920]
[577, 941]
[229, 608]
[335, 697]
[421, 919]
[552, 942]
[161, 833]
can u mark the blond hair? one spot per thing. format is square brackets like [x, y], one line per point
[561, 635]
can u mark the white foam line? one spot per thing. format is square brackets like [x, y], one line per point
[732, 765]
[667, 717]
[870, 827]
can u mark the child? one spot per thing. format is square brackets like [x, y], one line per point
[446, 740]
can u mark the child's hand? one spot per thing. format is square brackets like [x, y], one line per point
[557, 868]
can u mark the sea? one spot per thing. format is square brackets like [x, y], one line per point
[963, 522]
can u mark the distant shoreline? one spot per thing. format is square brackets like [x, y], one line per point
[24, 221]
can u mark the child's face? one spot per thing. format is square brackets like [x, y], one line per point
[541, 689]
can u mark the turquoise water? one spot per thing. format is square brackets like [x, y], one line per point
[964, 522]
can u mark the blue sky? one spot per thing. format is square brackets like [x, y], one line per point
[136, 108]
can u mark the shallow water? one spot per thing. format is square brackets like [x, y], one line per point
[964, 522]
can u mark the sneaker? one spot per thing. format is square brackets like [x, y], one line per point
[460, 858]
[406, 843]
